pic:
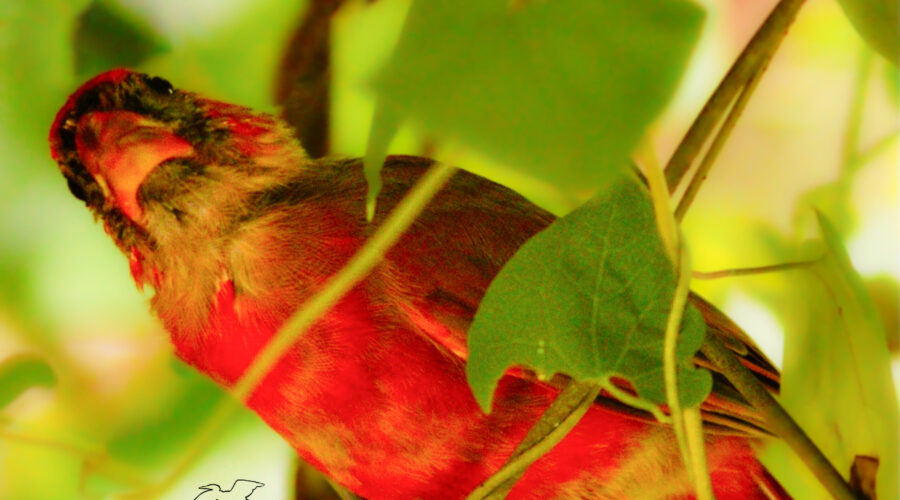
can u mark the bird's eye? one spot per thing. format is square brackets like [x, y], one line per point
[160, 85]
[76, 190]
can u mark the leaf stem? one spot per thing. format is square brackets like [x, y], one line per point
[556, 422]
[758, 50]
[662, 203]
[778, 420]
[744, 271]
[636, 402]
[687, 423]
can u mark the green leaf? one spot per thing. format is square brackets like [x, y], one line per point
[20, 372]
[562, 89]
[876, 21]
[837, 379]
[157, 440]
[385, 124]
[588, 297]
[108, 36]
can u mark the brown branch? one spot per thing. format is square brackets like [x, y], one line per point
[756, 53]
[304, 78]
[778, 420]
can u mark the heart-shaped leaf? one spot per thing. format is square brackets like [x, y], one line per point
[837, 374]
[589, 297]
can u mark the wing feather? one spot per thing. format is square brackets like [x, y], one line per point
[478, 225]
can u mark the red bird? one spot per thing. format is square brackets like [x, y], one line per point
[219, 209]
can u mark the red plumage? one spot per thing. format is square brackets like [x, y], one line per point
[221, 212]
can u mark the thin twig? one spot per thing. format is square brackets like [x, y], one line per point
[719, 141]
[873, 151]
[760, 48]
[744, 271]
[777, 419]
[556, 422]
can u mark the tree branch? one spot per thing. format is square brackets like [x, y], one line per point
[778, 420]
[755, 54]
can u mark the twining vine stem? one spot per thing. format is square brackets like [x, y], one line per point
[556, 422]
[686, 422]
[733, 93]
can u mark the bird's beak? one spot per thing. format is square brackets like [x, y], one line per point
[120, 148]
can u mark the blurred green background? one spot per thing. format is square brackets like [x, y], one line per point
[122, 408]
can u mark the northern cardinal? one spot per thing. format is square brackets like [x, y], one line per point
[219, 209]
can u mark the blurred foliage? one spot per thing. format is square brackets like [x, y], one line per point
[877, 23]
[536, 84]
[121, 408]
[107, 35]
[20, 372]
[885, 293]
[837, 380]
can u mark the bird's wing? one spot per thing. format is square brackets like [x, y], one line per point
[456, 247]
[477, 225]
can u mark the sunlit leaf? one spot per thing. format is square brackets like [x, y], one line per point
[588, 297]
[561, 89]
[385, 124]
[109, 36]
[837, 377]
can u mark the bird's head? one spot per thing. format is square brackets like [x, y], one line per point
[149, 159]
